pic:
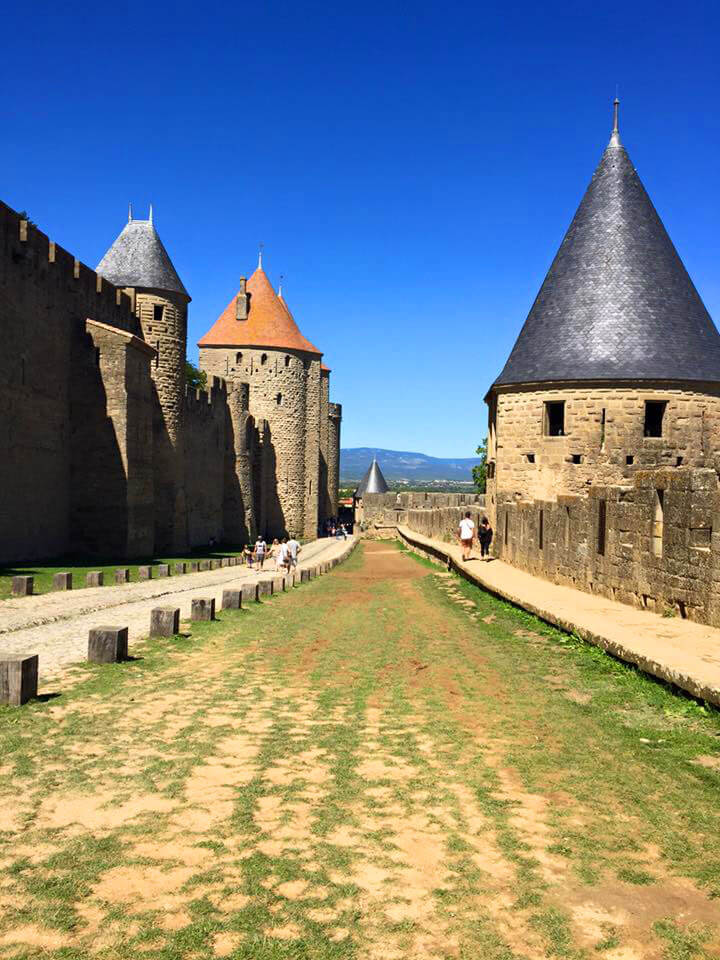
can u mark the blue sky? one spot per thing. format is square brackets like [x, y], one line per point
[411, 168]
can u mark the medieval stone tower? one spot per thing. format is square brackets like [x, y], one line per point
[257, 341]
[617, 367]
[138, 262]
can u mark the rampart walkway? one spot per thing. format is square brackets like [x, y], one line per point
[678, 651]
[56, 625]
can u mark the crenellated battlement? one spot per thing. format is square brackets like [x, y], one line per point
[28, 255]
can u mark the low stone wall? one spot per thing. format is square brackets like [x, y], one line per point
[651, 544]
[379, 514]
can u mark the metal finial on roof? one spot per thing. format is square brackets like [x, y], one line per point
[150, 218]
[130, 212]
[282, 277]
[261, 246]
[616, 116]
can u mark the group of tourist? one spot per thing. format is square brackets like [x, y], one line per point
[466, 535]
[284, 552]
[333, 528]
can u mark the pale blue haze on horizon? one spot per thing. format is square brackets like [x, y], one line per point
[411, 169]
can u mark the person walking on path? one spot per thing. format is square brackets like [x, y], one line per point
[281, 562]
[260, 551]
[293, 549]
[466, 531]
[485, 535]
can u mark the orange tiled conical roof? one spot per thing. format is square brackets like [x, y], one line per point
[269, 322]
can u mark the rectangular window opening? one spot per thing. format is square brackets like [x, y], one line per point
[530, 457]
[629, 460]
[555, 418]
[158, 310]
[577, 458]
[654, 416]
[602, 526]
[602, 430]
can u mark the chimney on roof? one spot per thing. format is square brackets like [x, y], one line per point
[241, 301]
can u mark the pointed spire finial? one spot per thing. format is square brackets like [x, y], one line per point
[261, 247]
[282, 277]
[150, 218]
[616, 115]
[130, 212]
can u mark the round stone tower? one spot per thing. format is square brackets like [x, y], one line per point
[138, 262]
[256, 341]
[617, 367]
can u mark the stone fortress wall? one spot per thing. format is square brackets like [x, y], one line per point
[102, 450]
[432, 514]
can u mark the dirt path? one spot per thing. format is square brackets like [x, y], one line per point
[395, 767]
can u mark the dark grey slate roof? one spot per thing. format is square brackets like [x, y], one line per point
[373, 481]
[617, 302]
[139, 259]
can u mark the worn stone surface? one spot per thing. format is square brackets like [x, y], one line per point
[108, 644]
[62, 581]
[22, 586]
[203, 608]
[163, 570]
[180, 568]
[95, 578]
[165, 621]
[18, 678]
[232, 599]
[145, 572]
[122, 575]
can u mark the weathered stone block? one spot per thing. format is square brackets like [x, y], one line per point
[164, 621]
[249, 593]
[180, 568]
[18, 678]
[278, 584]
[122, 575]
[225, 562]
[94, 578]
[204, 565]
[232, 599]
[108, 644]
[214, 564]
[194, 566]
[22, 586]
[304, 575]
[203, 608]
[163, 570]
[264, 588]
[62, 581]
[145, 573]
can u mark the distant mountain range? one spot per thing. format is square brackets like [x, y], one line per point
[399, 466]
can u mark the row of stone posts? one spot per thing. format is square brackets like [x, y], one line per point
[109, 644]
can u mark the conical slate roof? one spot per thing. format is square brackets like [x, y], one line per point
[139, 259]
[269, 322]
[617, 302]
[373, 481]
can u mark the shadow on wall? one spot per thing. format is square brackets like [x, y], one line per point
[98, 482]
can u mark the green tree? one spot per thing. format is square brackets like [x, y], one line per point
[479, 473]
[194, 378]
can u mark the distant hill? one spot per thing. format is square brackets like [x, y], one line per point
[399, 466]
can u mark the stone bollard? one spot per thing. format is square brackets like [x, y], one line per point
[163, 570]
[22, 586]
[232, 600]
[311, 572]
[108, 644]
[278, 584]
[122, 575]
[204, 565]
[264, 588]
[164, 621]
[194, 566]
[233, 561]
[225, 562]
[94, 579]
[62, 581]
[214, 564]
[249, 593]
[203, 608]
[145, 573]
[180, 568]
[304, 576]
[18, 678]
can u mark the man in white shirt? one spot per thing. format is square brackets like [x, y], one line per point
[466, 531]
[293, 548]
[260, 551]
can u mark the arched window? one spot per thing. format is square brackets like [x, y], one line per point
[238, 358]
[263, 359]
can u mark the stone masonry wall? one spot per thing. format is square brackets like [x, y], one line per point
[206, 419]
[313, 492]
[603, 439]
[278, 394]
[46, 296]
[325, 500]
[433, 514]
[335, 424]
